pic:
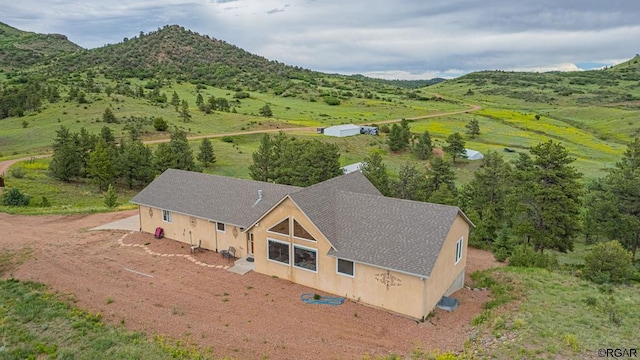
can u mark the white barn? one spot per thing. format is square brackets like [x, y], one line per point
[342, 130]
[473, 154]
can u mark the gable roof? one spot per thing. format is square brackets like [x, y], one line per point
[344, 127]
[392, 233]
[218, 198]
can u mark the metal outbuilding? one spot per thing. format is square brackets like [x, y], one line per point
[342, 130]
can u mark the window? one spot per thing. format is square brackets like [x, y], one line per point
[278, 251]
[305, 258]
[281, 228]
[459, 250]
[220, 227]
[345, 267]
[166, 216]
[300, 232]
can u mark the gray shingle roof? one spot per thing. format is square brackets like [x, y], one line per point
[396, 234]
[219, 198]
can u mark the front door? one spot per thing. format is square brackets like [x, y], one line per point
[250, 243]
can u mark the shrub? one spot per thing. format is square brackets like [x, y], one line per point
[13, 197]
[525, 256]
[227, 139]
[608, 262]
[110, 197]
[17, 172]
[332, 100]
[45, 202]
[241, 95]
[385, 129]
[160, 124]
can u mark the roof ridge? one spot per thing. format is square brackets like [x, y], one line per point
[390, 198]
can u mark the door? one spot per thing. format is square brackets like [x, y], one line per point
[250, 243]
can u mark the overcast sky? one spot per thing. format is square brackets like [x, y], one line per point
[407, 39]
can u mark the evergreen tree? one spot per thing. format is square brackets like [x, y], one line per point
[67, 156]
[184, 111]
[107, 135]
[395, 140]
[175, 100]
[101, 164]
[206, 154]
[424, 147]
[135, 164]
[200, 102]
[545, 202]
[108, 116]
[473, 128]
[613, 203]
[263, 160]
[110, 197]
[440, 174]
[485, 197]
[266, 111]
[455, 146]
[164, 158]
[411, 184]
[405, 132]
[376, 171]
[183, 154]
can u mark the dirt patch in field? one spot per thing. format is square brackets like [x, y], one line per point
[241, 316]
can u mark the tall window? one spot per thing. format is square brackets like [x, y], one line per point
[220, 227]
[459, 250]
[305, 258]
[278, 251]
[345, 267]
[166, 216]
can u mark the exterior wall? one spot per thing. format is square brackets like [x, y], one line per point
[193, 229]
[341, 132]
[390, 290]
[446, 272]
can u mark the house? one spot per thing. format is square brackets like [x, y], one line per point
[342, 130]
[473, 154]
[340, 236]
[347, 169]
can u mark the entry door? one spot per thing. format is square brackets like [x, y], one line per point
[250, 243]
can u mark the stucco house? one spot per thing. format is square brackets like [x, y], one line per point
[340, 236]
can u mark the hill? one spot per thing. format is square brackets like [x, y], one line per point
[20, 49]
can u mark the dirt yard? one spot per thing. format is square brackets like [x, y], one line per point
[241, 316]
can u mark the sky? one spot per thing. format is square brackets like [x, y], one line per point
[400, 39]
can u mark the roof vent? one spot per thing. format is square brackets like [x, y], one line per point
[259, 198]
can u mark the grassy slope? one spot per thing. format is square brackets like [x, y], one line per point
[36, 324]
[559, 316]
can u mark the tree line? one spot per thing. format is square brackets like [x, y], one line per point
[104, 161]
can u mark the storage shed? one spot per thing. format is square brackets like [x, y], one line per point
[347, 169]
[473, 154]
[342, 130]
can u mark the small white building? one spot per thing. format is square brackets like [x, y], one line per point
[342, 130]
[347, 169]
[473, 154]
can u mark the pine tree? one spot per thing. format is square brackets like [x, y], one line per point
[546, 198]
[101, 164]
[376, 171]
[440, 174]
[395, 140]
[263, 160]
[184, 111]
[405, 132]
[67, 156]
[110, 197]
[183, 154]
[108, 116]
[135, 164]
[455, 146]
[164, 158]
[175, 100]
[200, 102]
[473, 128]
[206, 154]
[411, 184]
[424, 147]
[266, 111]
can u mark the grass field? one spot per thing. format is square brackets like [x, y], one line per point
[36, 324]
[558, 316]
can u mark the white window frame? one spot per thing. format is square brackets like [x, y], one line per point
[345, 274]
[281, 234]
[459, 248]
[281, 242]
[293, 231]
[304, 248]
[224, 227]
[167, 216]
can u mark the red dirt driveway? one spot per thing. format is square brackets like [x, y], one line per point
[240, 316]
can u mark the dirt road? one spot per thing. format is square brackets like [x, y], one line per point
[241, 316]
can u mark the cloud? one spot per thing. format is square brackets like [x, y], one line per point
[403, 38]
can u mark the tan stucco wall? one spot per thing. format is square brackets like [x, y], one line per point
[445, 270]
[368, 285]
[203, 229]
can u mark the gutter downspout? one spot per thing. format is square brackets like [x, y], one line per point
[215, 234]
[424, 298]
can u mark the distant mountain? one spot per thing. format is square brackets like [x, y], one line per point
[20, 49]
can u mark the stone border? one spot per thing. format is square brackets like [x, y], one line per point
[153, 253]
